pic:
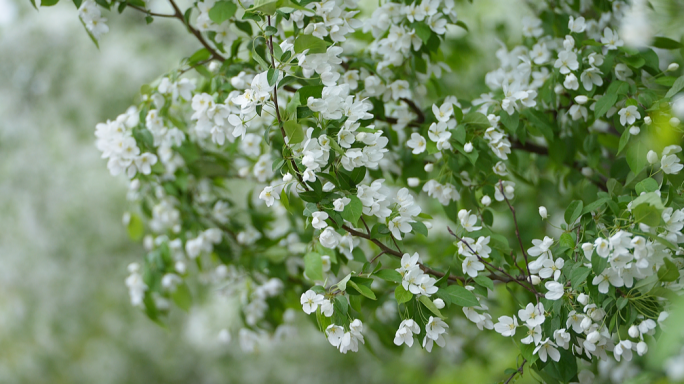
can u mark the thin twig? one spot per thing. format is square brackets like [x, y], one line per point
[519, 370]
[376, 257]
[149, 13]
[490, 265]
[280, 121]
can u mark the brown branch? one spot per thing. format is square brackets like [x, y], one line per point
[543, 151]
[517, 233]
[490, 265]
[179, 15]
[519, 370]
[390, 251]
[149, 13]
[416, 109]
[277, 109]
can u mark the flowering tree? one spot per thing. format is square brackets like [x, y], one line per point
[308, 157]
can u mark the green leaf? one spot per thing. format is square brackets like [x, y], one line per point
[676, 87]
[461, 296]
[307, 91]
[135, 228]
[578, 276]
[598, 263]
[352, 211]
[477, 120]
[389, 275]
[342, 285]
[294, 131]
[604, 104]
[362, 289]
[267, 7]
[541, 121]
[182, 297]
[313, 266]
[431, 306]
[646, 185]
[222, 11]
[484, 281]
[402, 295]
[665, 43]
[272, 76]
[668, 272]
[419, 227]
[48, 3]
[423, 31]
[574, 211]
[636, 156]
[510, 121]
[666, 81]
[463, 25]
[624, 139]
[199, 56]
[310, 42]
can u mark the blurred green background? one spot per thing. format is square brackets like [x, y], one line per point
[65, 315]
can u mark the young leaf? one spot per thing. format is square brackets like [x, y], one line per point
[461, 296]
[430, 305]
[310, 42]
[352, 211]
[573, 212]
[402, 295]
[294, 131]
[222, 11]
[313, 266]
[389, 275]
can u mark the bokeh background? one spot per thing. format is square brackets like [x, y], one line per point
[65, 315]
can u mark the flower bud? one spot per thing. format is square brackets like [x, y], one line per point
[180, 267]
[642, 348]
[634, 130]
[287, 178]
[581, 99]
[593, 337]
[587, 172]
[647, 120]
[439, 303]
[583, 299]
[674, 121]
[413, 181]
[535, 279]
[586, 323]
[468, 147]
[428, 224]
[429, 167]
[652, 157]
[673, 67]
[327, 187]
[634, 331]
[542, 212]
[486, 200]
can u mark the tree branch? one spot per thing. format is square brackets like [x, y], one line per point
[519, 370]
[298, 173]
[539, 150]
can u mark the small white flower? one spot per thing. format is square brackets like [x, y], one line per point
[310, 301]
[318, 220]
[405, 333]
[542, 212]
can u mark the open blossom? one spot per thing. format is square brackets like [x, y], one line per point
[532, 315]
[611, 40]
[555, 290]
[434, 333]
[405, 333]
[546, 349]
[417, 143]
[629, 115]
[468, 221]
[310, 301]
[506, 325]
